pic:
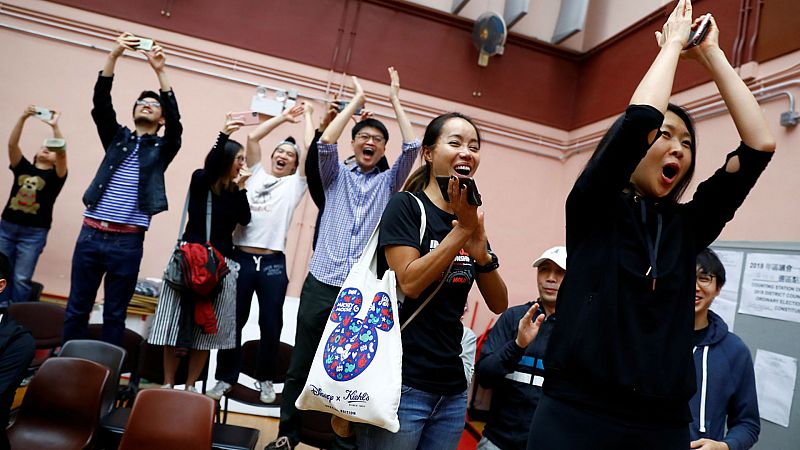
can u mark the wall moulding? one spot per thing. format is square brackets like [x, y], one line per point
[249, 72]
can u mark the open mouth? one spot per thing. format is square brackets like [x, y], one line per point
[670, 172]
[368, 151]
[280, 164]
[463, 170]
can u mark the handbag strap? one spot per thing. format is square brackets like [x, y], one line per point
[186, 211]
[208, 217]
[421, 235]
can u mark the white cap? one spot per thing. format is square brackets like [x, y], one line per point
[556, 254]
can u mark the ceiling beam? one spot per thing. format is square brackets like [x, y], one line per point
[458, 5]
[514, 11]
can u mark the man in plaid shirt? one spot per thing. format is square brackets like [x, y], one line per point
[355, 199]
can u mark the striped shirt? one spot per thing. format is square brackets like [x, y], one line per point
[354, 203]
[119, 203]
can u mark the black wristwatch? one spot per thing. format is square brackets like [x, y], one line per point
[493, 265]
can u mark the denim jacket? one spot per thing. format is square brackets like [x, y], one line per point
[155, 152]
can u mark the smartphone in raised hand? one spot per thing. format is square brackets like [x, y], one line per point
[55, 143]
[698, 34]
[43, 114]
[342, 105]
[144, 44]
[247, 118]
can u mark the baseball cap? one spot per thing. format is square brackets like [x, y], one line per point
[556, 254]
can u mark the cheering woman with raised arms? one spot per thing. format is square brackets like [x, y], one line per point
[619, 367]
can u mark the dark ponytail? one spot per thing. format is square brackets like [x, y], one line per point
[419, 179]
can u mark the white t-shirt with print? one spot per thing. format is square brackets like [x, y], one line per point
[272, 204]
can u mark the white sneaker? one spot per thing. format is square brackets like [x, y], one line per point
[220, 389]
[267, 391]
[190, 388]
[166, 386]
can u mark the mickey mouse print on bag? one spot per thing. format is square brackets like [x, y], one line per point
[353, 343]
[356, 372]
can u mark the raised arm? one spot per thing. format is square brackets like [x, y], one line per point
[157, 60]
[14, 151]
[217, 152]
[308, 136]
[61, 155]
[656, 85]
[125, 41]
[254, 147]
[103, 114]
[406, 130]
[744, 109]
[335, 128]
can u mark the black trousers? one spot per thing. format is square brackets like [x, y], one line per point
[316, 301]
[562, 426]
[15, 357]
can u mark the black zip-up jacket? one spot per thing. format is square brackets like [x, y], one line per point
[155, 152]
[513, 401]
[620, 347]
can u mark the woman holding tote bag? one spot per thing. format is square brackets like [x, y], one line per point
[433, 400]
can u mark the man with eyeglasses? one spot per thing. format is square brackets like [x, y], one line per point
[726, 386]
[127, 190]
[355, 197]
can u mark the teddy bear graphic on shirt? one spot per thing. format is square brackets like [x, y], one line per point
[25, 200]
[353, 343]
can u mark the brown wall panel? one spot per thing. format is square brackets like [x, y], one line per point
[779, 33]
[434, 53]
[610, 73]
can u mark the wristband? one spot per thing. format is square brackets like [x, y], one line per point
[491, 266]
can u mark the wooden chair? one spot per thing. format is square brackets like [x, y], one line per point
[169, 419]
[61, 408]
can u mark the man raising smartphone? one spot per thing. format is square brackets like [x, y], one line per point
[126, 192]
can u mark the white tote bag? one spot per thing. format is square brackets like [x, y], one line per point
[357, 369]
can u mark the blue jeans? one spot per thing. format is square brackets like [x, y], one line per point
[266, 276]
[427, 422]
[98, 253]
[22, 246]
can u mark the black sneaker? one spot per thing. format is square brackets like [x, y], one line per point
[282, 443]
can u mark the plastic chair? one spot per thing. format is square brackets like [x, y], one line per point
[109, 355]
[45, 321]
[250, 396]
[169, 419]
[61, 408]
[132, 343]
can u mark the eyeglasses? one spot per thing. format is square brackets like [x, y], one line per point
[704, 279]
[152, 104]
[364, 137]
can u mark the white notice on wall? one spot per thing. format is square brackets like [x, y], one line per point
[775, 378]
[771, 286]
[725, 303]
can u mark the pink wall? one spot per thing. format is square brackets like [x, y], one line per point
[524, 192]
